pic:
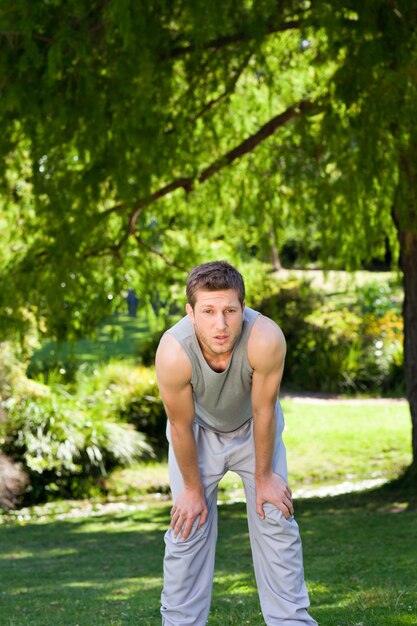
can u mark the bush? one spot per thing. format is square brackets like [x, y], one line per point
[65, 442]
[13, 381]
[356, 349]
[375, 299]
[131, 394]
[65, 450]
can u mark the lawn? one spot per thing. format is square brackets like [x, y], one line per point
[328, 443]
[360, 553]
[332, 441]
[118, 337]
[102, 568]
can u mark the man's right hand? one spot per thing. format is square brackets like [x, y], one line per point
[190, 504]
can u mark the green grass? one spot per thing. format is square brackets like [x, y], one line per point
[327, 443]
[330, 441]
[117, 337]
[98, 568]
[359, 554]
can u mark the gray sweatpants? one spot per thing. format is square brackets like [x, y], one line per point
[275, 541]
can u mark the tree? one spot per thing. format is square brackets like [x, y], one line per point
[124, 121]
[373, 159]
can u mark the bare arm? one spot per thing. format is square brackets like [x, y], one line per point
[266, 351]
[173, 371]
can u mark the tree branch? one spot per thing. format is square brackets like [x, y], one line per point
[221, 42]
[227, 91]
[185, 183]
[143, 244]
[243, 148]
[254, 140]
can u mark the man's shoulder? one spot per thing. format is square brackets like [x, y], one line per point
[170, 348]
[266, 339]
[171, 356]
[266, 330]
[182, 329]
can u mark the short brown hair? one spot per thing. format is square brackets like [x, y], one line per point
[214, 276]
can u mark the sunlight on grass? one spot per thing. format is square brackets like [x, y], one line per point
[330, 441]
[15, 554]
[358, 563]
[140, 477]
[100, 564]
[80, 585]
[227, 584]
[327, 443]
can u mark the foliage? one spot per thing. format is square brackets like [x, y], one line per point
[174, 90]
[13, 381]
[66, 443]
[338, 350]
[127, 393]
[131, 67]
[65, 450]
[376, 299]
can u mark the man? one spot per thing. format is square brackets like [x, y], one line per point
[219, 371]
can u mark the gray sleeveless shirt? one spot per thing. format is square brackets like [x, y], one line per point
[222, 400]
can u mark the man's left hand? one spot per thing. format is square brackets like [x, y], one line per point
[273, 489]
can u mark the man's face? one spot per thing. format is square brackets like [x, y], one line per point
[217, 319]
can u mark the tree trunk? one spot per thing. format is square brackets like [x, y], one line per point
[276, 261]
[408, 263]
[404, 214]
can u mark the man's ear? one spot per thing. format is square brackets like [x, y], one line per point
[189, 311]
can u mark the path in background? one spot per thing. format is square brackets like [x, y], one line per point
[322, 398]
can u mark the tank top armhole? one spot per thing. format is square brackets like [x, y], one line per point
[253, 317]
[247, 365]
[187, 351]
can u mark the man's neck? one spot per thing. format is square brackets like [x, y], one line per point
[217, 362]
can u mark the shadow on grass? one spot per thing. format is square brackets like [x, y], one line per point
[98, 570]
[360, 552]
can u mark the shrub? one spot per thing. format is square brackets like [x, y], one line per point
[356, 349]
[130, 393]
[13, 380]
[375, 299]
[65, 450]
[65, 442]
[383, 337]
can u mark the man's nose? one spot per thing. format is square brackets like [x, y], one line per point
[221, 321]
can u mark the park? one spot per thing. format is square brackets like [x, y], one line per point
[139, 140]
